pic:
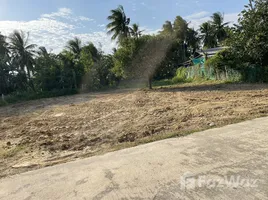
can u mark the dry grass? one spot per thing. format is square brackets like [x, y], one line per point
[61, 129]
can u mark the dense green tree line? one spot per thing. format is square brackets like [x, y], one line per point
[27, 67]
[247, 41]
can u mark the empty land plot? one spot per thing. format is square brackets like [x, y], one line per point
[45, 132]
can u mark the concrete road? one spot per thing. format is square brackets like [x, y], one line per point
[223, 163]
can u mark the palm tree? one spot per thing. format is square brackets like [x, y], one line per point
[3, 46]
[119, 24]
[23, 53]
[219, 26]
[167, 29]
[4, 65]
[42, 51]
[192, 39]
[75, 46]
[208, 35]
[135, 31]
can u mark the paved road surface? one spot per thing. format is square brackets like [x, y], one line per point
[223, 163]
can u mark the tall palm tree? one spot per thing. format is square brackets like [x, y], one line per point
[208, 35]
[3, 46]
[167, 28]
[219, 26]
[5, 68]
[75, 46]
[135, 31]
[192, 39]
[42, 51]
[119, 25]
[23, 53]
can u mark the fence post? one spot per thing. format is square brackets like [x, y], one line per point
[3, 97]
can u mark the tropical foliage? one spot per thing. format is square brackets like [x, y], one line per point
[27, 68]
[119, 24]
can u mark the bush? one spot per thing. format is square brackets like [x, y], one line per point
[228, 62]
[27, 95]
[254, 74]
[181, 76]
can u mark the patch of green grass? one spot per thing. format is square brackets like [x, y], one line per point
[3, 103]
[164, 82]
[27, 95]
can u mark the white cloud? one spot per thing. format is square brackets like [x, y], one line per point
[65, 14]
[196, 19]
[55, 29]
[82, 18]
[62, 12]
[231, 17]
[197, 15]
[148, 31]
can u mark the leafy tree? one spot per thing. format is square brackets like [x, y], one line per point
[104, 69]
[48, 71]
[144, 64]
[119, 25]
[175, 55]
[252, 41]
[124, 56]
[180, 28]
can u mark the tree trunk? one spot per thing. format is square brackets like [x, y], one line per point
[74, 79]
[150, 83]
[30, 80]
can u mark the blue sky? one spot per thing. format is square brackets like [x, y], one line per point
[52, 22]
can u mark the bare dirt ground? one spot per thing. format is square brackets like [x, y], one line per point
[45, 132]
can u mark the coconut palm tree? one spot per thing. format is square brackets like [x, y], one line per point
[3, 46]
[42, 51]
[22, 53]
[4, 65]
[167, 29]
[119, 25]
[208, 35]
[135, 31]
[192, 39]
[75, 46]
[219, 26]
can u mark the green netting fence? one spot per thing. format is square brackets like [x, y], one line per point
[205, 70]
[211, 73]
